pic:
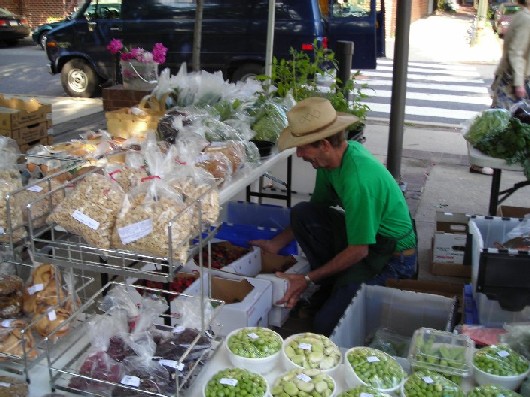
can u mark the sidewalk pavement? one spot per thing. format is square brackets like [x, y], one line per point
[434, 165]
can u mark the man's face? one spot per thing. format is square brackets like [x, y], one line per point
[313, 154]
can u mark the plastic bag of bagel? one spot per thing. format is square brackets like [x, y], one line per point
[234, 150]
[10, 180]
[50, 298]
[149, 210]
[198, 186]
[90, 210]
[15, 340]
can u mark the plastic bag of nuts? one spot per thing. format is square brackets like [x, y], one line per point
[11, 222]
[90, 210]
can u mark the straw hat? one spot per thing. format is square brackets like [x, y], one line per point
[311, 120]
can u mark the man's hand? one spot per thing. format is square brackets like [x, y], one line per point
[297, 285]
[519, 91]
[266, 245]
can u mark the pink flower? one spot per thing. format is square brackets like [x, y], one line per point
[159, 53]
[115, 46]
[139, 54]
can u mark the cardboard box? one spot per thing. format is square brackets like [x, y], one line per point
[16, 113]
[280, 285]
[512, 212]
[375, 307]
[450, 237]
[248, 301]
[30, 133]
[278, 316]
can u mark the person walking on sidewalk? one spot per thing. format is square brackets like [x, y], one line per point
[511, 81]
[355, 229]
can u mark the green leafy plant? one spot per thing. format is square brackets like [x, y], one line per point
[299, 76]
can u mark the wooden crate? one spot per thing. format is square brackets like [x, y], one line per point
[42, 141]
[30, 133]
[16, 113]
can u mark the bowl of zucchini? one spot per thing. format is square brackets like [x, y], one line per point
[304, 382]
[310, 351]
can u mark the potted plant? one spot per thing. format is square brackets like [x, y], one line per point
[302, 76]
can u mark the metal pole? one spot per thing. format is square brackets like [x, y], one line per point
[270, 38]
[399, 88]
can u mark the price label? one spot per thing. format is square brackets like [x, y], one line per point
[135, 231]
[178, 329]
[503, 353]
[85, 220]
[35, 189]
[304, 346]
[5, 384]
[372, 359]
[130, 380]
[252, 335]
[52, 316]
[172, 364]
[35, 288]
[303, 378]
[7, 323]
[228, 381]
[427, 379]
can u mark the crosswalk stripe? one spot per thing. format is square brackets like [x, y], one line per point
[470, 73]
[441, 87]
[479, 100]
[436, 93]
[425, 111]
[435, 78]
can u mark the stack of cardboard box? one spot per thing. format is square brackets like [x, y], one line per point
[27, 122]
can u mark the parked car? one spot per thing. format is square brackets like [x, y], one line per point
[503, 16]
[40, 32]
[233, 41]
[12, 27]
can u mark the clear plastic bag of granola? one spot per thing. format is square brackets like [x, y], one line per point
[11, 221]
[90, 210]
[233, 149]
[217, 164]
[150, 209]
[198, 187]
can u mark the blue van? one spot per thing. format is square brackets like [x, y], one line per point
[233, 37]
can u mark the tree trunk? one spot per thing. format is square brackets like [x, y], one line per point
[197, 37]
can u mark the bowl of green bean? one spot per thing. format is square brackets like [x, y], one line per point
[255, 348]
[372, 367]
[236, 382]
[500, 365]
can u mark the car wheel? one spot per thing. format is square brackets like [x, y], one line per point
[79, 79]
[42, 40]
[247, 71]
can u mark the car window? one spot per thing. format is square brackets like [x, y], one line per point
[351, 8]
[103, 10]
[511, 10]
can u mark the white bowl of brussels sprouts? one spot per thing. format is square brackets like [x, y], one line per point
[304, 382]
[373, 367]
[236, 382]
[310, 351]
[255, 348]
[500, 365]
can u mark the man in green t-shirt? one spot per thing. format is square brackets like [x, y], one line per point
[356, 228]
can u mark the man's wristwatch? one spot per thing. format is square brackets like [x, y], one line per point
[308, 280]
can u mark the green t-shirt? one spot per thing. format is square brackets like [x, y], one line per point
[371, 198]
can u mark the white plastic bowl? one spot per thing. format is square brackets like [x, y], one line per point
[288, 364]
[509, 382]
[299, 371]
[266, 394]
[352, 380]
[261, 365]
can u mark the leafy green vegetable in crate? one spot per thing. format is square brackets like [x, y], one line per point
[490, 121]
[227, 109]
[271, 119]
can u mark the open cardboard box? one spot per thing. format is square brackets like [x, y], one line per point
[247, 300]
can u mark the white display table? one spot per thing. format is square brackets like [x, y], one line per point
[479, 159]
